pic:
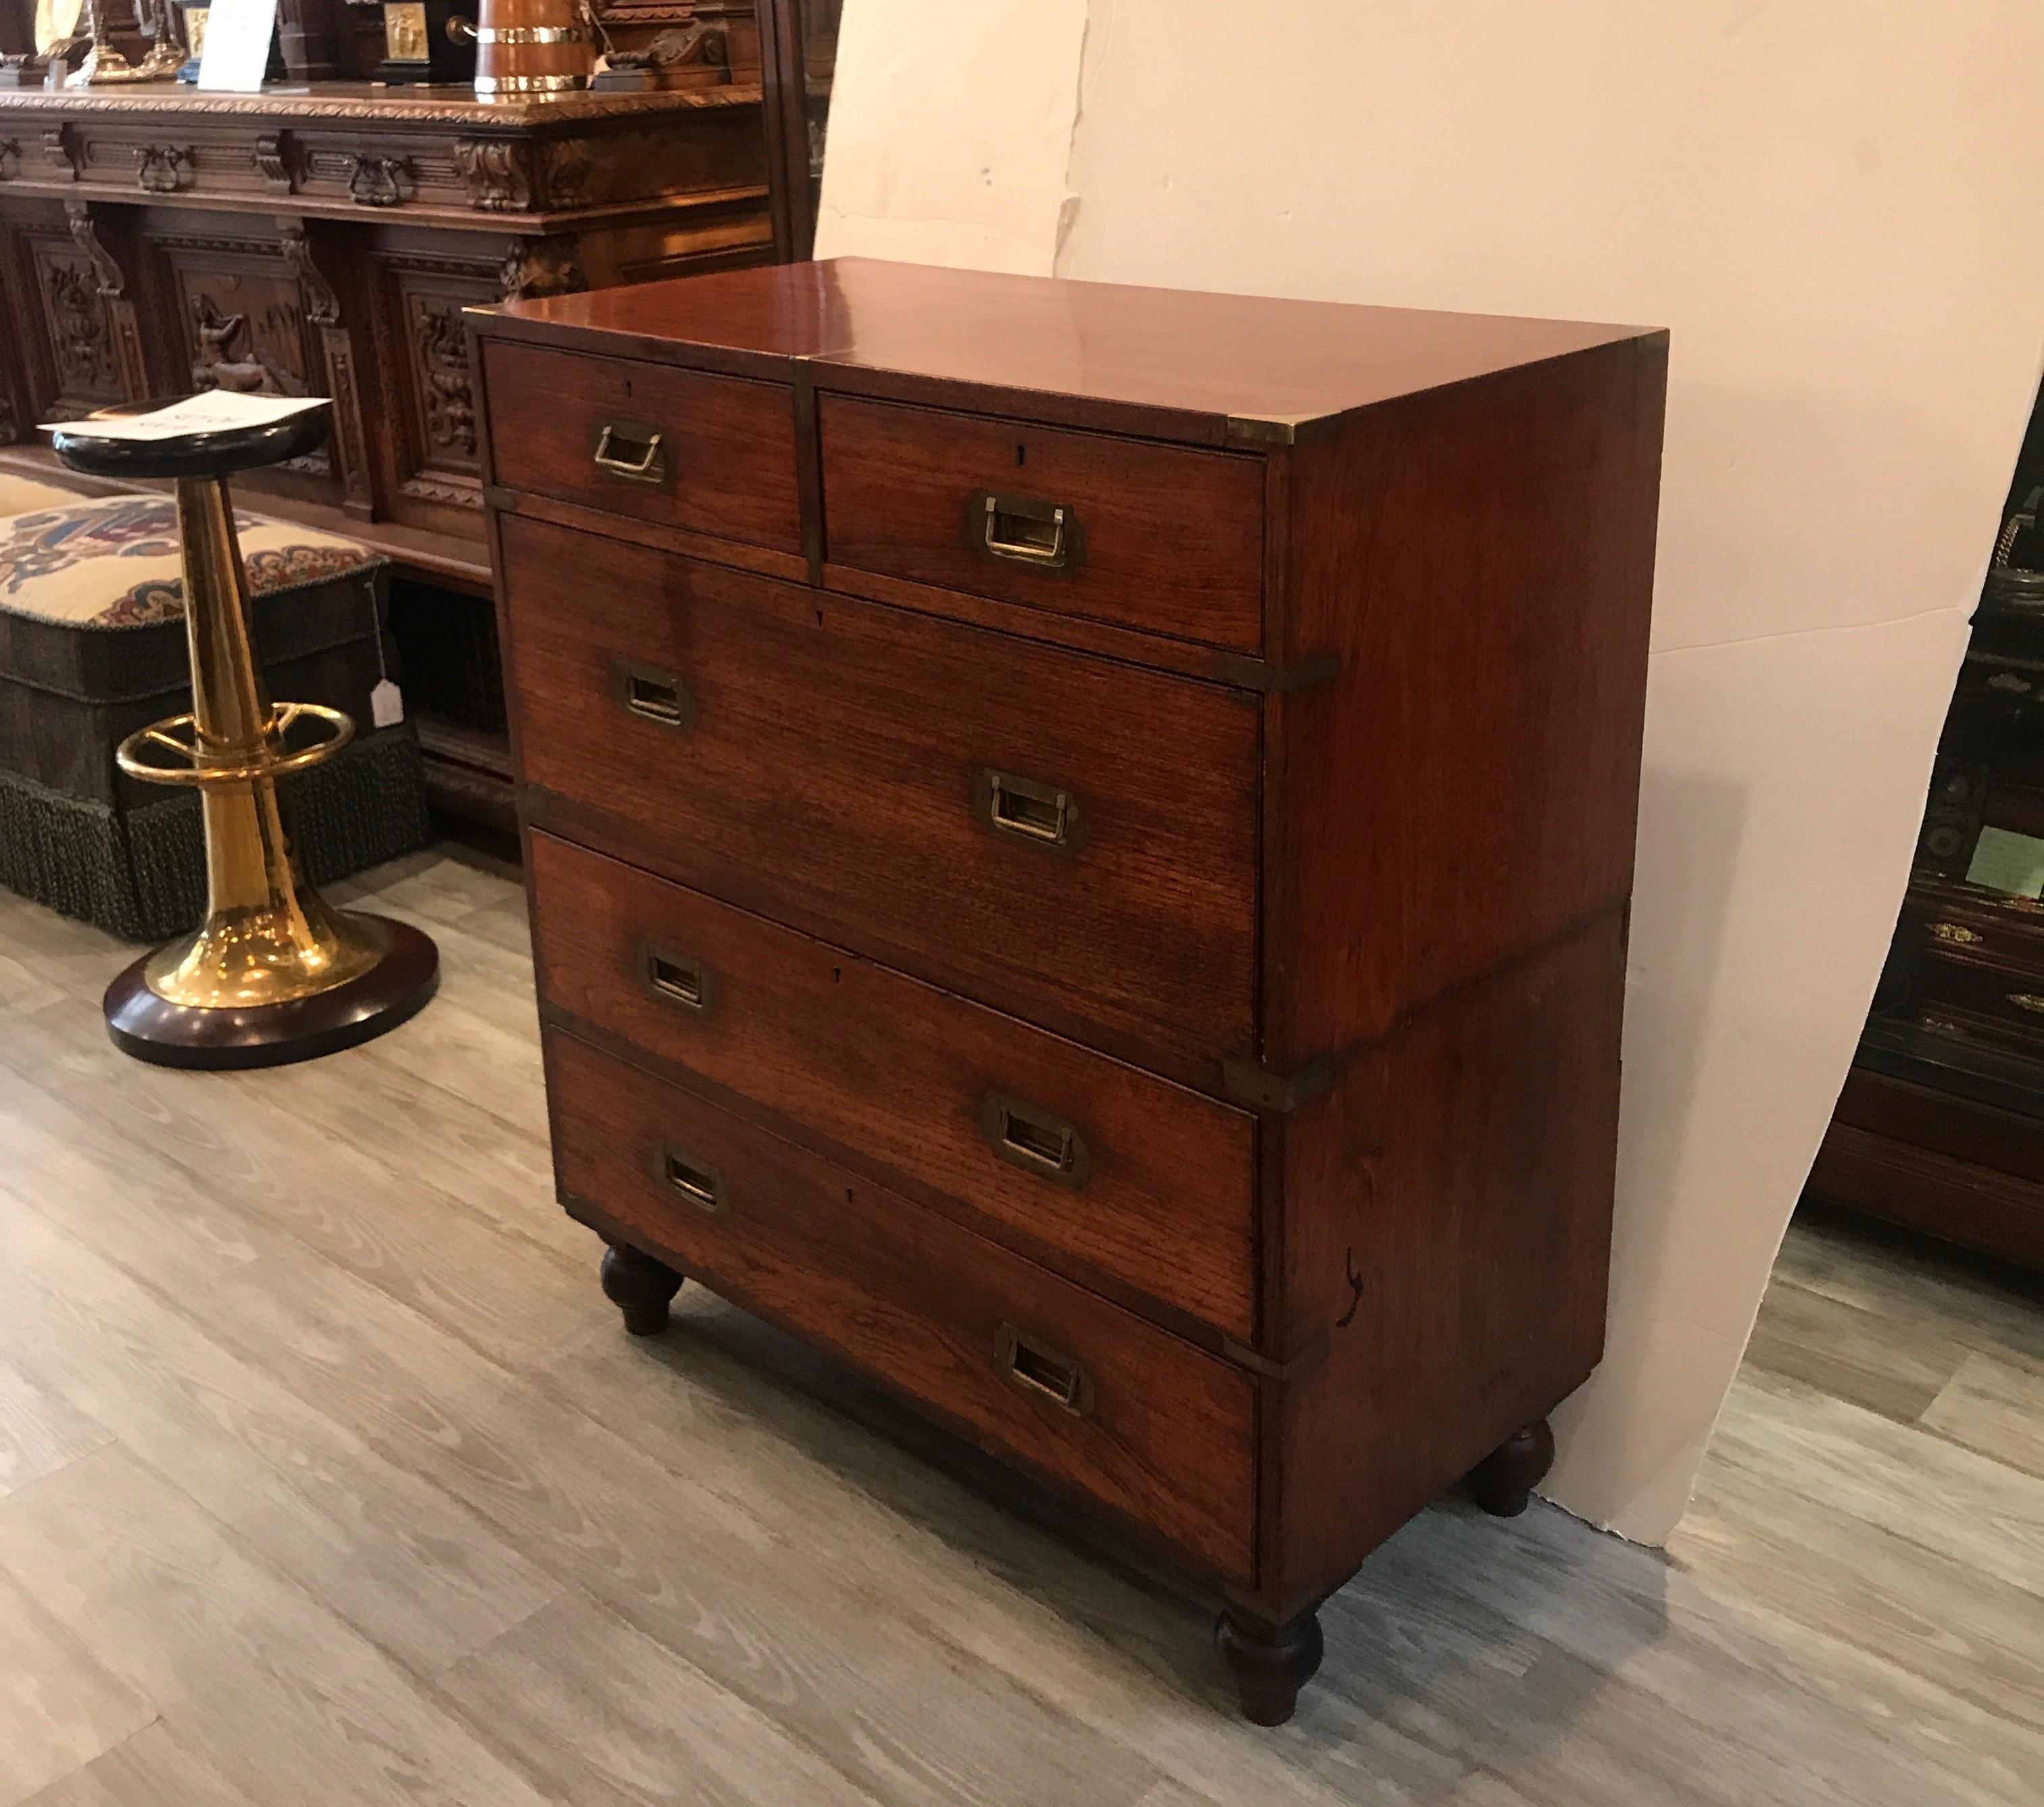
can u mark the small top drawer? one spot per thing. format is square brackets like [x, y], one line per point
[1164, 539]
[711, 454]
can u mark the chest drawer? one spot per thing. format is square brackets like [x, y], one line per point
[1166, 539]
[711, 454]
[1063, 835]
[1025, 1363]
[1150, 1182]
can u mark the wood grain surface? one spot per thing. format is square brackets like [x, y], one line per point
[827, 776]
[1157, 1431]
[725, 459]
[1173, 540]
[905, 1075]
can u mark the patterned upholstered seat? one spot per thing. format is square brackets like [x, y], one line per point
[92, 646]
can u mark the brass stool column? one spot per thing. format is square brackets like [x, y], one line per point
[272, 974]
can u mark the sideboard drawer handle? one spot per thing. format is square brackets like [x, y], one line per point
[695, 1180]
[631, 453]
[1027, 810]
[1023, 531]
[1034, 1140]
[2027, 1000]
[1038, 1369]
[674, 977]
[654, 695]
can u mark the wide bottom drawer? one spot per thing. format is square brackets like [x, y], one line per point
[1025, 1363]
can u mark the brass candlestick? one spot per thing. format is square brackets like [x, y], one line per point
[272, 974]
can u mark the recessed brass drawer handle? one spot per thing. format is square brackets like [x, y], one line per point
[654, 695]
[1022, 531]
[695, 1180]
[1034, 1140]
[674, 977]
[632, 454]
[1027, 809]
[1038, 1369]
[2027, 1000]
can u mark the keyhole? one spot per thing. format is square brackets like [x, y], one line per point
[1021, 455]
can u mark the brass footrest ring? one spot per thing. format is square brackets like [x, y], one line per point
[197, 769]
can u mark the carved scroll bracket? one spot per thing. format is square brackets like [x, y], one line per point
[163, 169]
[322, 304]
[323, 312]
[112, 287]
[498, 173]
[543, 267]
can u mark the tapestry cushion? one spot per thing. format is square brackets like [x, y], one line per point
[111, 561]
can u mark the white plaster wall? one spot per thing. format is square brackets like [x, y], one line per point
[1838, 209]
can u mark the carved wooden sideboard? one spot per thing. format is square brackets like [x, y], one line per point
[324, 240]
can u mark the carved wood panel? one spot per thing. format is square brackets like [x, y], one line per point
[237, 318]
[422, 351]
[81, 359]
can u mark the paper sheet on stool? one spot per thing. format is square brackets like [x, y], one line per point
[216, 411]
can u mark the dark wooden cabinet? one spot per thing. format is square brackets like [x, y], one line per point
[1080, 841]
[1940, 1126]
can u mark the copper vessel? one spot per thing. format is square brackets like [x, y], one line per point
[527, 49]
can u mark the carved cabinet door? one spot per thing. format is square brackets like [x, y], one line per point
[67, 355]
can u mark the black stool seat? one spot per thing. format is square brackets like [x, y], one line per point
[217, 454]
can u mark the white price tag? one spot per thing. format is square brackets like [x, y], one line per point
[386, 705]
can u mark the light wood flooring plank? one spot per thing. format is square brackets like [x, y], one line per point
[724, 1397]
[1856, 1354]
[40, 1431]
[59, 1706]
[259, 1678]
[1914, 1285]
[1995, 1406]
[153, 1768]
[257, 1163]
[837, 1661]
[1771, 1538]
[399, 1561]
[1947, 1500]
[600, 1714]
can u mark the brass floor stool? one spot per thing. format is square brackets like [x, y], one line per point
[272, 974]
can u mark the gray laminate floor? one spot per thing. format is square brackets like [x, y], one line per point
[326, 1478]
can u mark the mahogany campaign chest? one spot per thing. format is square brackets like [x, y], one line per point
[1080, 841]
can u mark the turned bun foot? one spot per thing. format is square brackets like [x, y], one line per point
[1270, 1664]
[640, 1287]
[1502, 1481]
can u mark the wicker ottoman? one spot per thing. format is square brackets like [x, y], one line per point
[92, 647]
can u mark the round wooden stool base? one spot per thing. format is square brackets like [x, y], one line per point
[153, 1028]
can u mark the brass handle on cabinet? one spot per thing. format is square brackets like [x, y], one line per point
[1037, 1368]
[2027, 1000]
[1024, 532]
[1034, 1141]
[1027, 809]
[655, 696]
[674, 977]
[695, 1180]
[632, 454]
